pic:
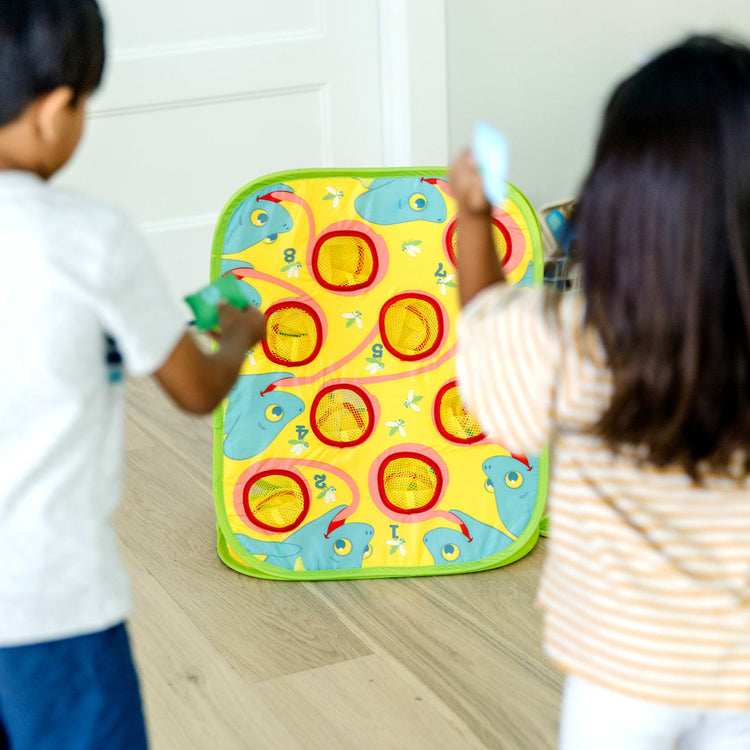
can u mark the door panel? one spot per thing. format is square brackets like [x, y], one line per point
[194, 105]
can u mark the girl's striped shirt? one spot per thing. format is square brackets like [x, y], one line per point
[646, 583]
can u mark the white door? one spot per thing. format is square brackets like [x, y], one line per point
[201, 98]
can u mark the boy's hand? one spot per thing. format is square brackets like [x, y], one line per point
[467, 186]
[197, 381]
[241, 328]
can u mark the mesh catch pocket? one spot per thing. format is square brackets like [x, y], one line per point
[344, 262]
[453, 420]
[409, 483]
[411, 327]
[293, 334]
[276, 501]
[342, 416]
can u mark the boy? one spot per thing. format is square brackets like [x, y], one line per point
[80, 297]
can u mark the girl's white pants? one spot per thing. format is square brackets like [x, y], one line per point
[594, 718]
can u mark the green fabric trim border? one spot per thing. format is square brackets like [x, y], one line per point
[225, 538]
[528, 213]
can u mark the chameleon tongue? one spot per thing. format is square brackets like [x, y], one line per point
[333, 526]
[520, 457]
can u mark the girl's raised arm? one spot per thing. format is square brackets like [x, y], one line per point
[477, 263]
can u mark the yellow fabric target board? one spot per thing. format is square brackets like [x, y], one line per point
[343, 450]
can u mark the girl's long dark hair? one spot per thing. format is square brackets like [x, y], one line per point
[664, 238]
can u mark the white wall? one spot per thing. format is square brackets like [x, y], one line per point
[541, 70]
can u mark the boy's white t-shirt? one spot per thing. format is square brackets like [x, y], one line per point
[79, 289]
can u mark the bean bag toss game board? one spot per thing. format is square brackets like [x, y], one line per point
[343, 450]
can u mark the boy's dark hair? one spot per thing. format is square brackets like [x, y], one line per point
[45, 44]
[664, 238]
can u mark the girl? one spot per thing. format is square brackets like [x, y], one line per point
[643, 384]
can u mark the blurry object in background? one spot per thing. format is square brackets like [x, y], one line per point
[561, 268]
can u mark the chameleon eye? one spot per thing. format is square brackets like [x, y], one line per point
[417, 202]
[274, 413]
[368, 552]
[450, 552]
[259, 217]
[342, 547]
[513, 479]
[489, 486]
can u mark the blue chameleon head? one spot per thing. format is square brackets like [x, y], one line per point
[451, 546]
[256, 220]
[400, 199]
[515, 487]
[255, 416]
[343, 547]
[252, 295]
[308, 548]
[249, 292]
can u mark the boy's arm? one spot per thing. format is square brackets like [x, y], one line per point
[477, 263]
[197, 381]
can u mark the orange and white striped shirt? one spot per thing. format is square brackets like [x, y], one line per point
[646, 583]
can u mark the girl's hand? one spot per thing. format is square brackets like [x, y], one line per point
[477, 262]
[467, 186]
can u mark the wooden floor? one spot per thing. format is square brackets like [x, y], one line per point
[233, 662]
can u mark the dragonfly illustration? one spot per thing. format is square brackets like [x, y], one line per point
[411, 401]
[411, 247]
[333, 195]
[446, 282]
[292, 270]
[298, 446]
[397, 426]
[353, 317]
[328, 494]
[399, 543]
[375, 366]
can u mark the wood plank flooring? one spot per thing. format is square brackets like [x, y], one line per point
[233, 662]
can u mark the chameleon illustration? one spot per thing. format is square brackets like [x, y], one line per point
[254, 220]
[315, 546]
[400, 199]
[256, 414]
[451, 546]
[514, 485]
